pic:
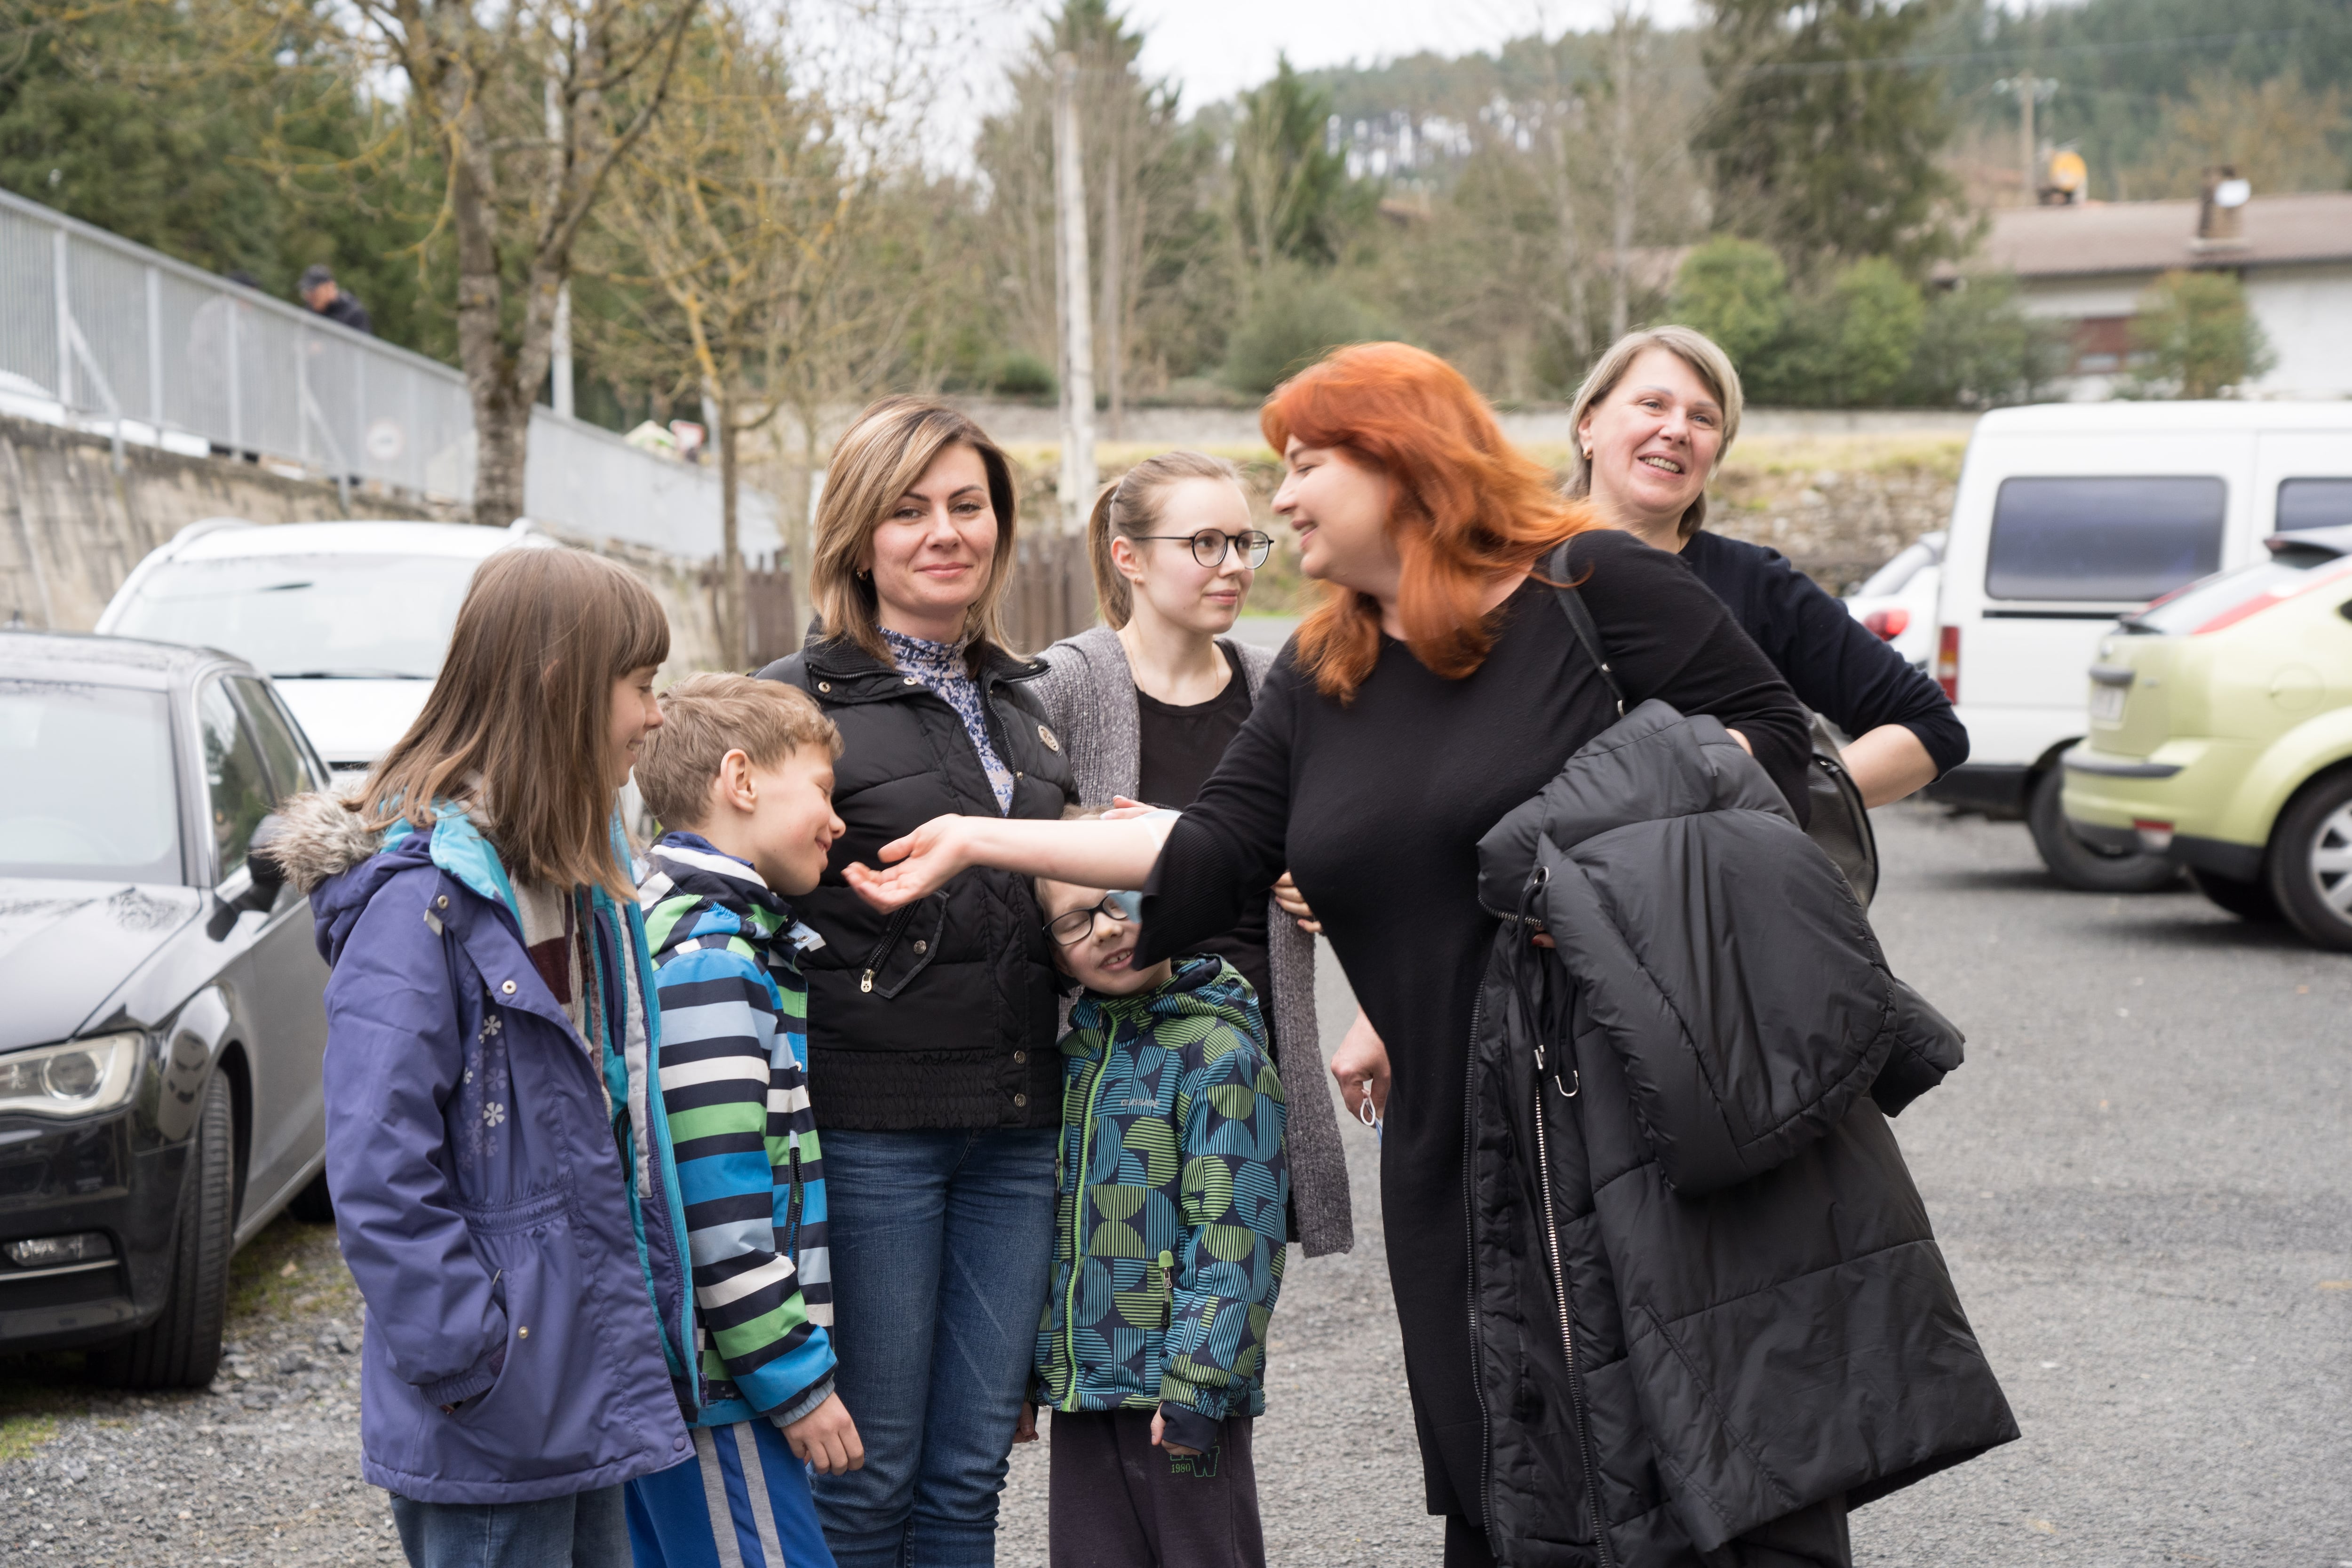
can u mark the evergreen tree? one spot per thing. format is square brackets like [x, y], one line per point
[1820, 141]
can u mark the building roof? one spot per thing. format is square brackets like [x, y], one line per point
[2155, 236]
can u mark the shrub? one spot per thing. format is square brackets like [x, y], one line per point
[1015, 373]
[1979, 349]
[2194, 337]
[1294, 318]
[1736, 293]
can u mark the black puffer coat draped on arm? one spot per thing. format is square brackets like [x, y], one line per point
[1703, 1286]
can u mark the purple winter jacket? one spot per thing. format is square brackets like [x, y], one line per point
[481, 1192]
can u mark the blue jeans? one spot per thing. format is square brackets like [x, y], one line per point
[583, 1529]
[942, 1251]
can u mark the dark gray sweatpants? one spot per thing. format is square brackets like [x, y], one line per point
[1119, 1502]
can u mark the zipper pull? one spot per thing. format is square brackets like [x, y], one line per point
[865, 982]
[1167, 1288]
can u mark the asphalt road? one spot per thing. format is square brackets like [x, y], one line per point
[2142, 1180]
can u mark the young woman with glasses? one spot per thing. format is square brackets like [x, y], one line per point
[1147, 704]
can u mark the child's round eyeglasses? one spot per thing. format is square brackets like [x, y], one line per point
[1070, 929]
[1209, 546]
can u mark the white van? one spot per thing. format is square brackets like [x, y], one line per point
[350, 619]
[2069, 515]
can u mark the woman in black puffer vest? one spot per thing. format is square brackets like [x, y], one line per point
[933, 1067]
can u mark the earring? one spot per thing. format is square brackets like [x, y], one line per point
[1588, 453]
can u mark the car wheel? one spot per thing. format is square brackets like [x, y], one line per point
[2311, 862]
[182, 1348]
[2247, 901]
[313, 1205]
[2083, 866]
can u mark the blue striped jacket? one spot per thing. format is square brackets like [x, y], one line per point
[734, 1084]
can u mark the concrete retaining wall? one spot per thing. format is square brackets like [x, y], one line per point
[71, 528]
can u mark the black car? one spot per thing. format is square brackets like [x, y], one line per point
[161, 1011]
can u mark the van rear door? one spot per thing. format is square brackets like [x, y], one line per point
[2071, 530]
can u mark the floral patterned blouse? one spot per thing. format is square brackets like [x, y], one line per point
[941, 666]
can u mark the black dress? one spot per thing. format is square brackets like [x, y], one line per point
[1377, 806]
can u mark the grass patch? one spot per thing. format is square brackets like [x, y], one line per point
[287, 1262]
[35, 1391]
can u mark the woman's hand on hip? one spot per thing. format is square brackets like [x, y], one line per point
[1361, 1066]
[914, 866]
[1293, 903]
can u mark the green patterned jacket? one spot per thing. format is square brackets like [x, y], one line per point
[1170, 1223]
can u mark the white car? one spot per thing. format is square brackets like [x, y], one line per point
[1897, 603]
[349, 619]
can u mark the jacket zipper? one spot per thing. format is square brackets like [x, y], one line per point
[1079, 1220]
[889, 945]
[793, 1209]
[1566, 1330]
[1470, 1246]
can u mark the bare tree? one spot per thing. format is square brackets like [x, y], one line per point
[520, 182]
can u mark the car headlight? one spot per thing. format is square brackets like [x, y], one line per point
[72, 1079]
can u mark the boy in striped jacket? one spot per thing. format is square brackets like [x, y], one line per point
[741, 775]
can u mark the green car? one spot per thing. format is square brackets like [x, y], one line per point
[2221, 736]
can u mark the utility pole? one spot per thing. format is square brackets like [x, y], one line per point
[1114, 297]
[559, 363]
[1077, 477]
[1623, 174]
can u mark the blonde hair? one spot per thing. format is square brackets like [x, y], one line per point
[518, 724]
[881, 457]
[1131, 508]
[704, 717]
[1695, 349]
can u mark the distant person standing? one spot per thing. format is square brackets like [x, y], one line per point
[324, 298]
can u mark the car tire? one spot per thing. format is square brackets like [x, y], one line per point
[2085, 867]
[313, 1205]
[2311, 862]
[182, 1348]
[2247, 901]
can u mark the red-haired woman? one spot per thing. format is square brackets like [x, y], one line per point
[1438, 687]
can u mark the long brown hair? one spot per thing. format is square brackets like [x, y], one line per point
[518, 728]
[881, 457]
[1469, 507]
[1130, 509]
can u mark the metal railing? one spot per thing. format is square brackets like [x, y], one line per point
[127, 342]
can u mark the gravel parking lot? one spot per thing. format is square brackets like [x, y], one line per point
[2139, 1178]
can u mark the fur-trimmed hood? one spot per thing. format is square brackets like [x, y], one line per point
[322, 834]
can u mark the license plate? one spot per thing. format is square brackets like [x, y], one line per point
[2107, 703]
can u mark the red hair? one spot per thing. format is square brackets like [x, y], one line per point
[1469, 507]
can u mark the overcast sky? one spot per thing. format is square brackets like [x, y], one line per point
[1216, 48]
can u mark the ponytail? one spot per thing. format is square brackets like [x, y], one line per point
[1130, 509]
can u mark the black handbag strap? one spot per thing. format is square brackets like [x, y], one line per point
[1580, 621]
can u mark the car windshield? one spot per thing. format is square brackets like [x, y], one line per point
[386, 616]
[87, 789]
[2229, 597]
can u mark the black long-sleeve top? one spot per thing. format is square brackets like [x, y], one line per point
[1377, 806]
[1837, 667]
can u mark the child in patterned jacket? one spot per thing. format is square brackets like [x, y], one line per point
[1168, 1251]
[742, 780]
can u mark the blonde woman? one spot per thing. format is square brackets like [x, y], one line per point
[1147, 704]
[932, 1030]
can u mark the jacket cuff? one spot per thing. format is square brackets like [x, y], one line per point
[805, 1406]
[1188, 1428]
[476, 1379]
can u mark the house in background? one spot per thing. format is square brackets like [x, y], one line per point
[2088, 264]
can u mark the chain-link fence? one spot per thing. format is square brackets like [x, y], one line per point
[105, 336]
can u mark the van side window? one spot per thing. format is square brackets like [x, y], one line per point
[2313, 503]
[2115, 540]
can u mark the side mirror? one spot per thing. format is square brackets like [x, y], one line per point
[269, 875]
[265, 879]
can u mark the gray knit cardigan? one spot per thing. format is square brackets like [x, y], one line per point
[1088, 693]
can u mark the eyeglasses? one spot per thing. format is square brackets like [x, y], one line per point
[1070, 930]
[1209, 546]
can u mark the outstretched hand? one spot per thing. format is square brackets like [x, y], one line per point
[912, 867]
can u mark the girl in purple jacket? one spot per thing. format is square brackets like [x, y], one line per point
[490, 1020]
